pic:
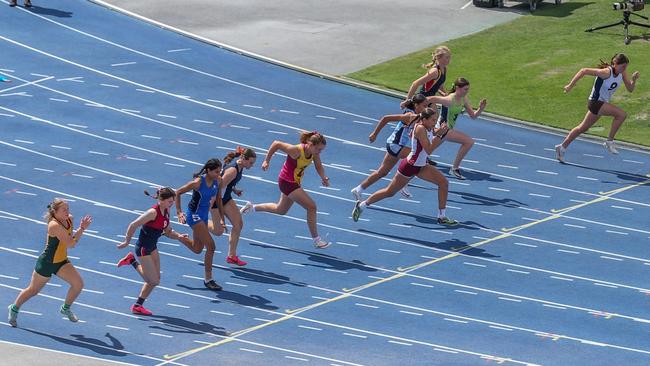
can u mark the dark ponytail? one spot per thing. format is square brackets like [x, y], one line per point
[161, 193]
[618, 59]
[246, 153]
[211, 164]
[459, 83]
[417, 99]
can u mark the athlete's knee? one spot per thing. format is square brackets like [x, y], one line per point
[217, 230]
[153, 282]
[622, 116]
[382, 172]
[444, 184]
[237, 226]
[470, 143]
[77, 284]
[196, 248]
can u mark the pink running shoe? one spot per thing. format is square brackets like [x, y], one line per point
[140, 310]
[127, 260]
[235, 260]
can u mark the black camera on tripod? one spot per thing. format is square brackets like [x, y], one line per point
[631, 5]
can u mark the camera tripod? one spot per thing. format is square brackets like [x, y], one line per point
[625, 23]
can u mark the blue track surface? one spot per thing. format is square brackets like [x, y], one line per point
[114, 105]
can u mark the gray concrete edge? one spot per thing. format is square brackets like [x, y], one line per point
[343, 80]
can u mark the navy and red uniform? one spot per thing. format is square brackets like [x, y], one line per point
[150, 232]
[431, 87]
[227, 194]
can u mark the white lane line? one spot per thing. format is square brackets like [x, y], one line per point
[622, 207]
[546, 172]
[554, 306]
[341, 165]
[123, 64]
[594, 156]
[76, 125]
[616, 232]
[421, 285]
[529, 219]
[132, 158]
[93, 291]
[204, 121]
[120, 181]
[633, 161]
[81, 176]
[441, 349]
[604, 285]
[474, 264]
[293, 264]
[324, 117]
[30, 313]
[366, 305]
[611, 258]
[44, 170]
[59, 100]
[8, 218]
[363, 122]
[335, 270]
[217, 101]
[161, 335]
[76, 79]
[240, 127]
[150, 137]
[376, 277]
[251, 106]
[9, 277]
[108, 264]
[97, 153]
[296, 358]
[178, 50]
[251, 257]
[166, 116]
[7, 115]
[517, 271]
[456, 320]
[575, 226]
[278, 291]
[40, 75]
[176, 165]
[471, 161]
[526, 245]
[410, 313]
[389, 251]
[568, 251]
[498, 189]
[28, 250]
[310, 328]
[398, 342]
[236, 284]
[116, 327]
[466, 292]
[509, 299]
[507, 166]
[319, 298]
[61, 147]
[25, 141]
[26, 193]
[514, 144]
[323, 213]
[587, 178]
[286, 111]
[277, 132]
[539, 195]
[53, 284]
[145, 91]
[109, 85]
[249, 350]
[264, 231]
[491, 213]
[178, 306]
[346, 244]
[222, 313]
[500, 328]
[355, 335]
[187, 142]
[562, 278]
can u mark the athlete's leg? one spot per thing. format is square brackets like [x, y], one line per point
[465, 142]
[35, 286]
[280, 208]
[302, 198]
[70, 275]
[234, 216]
[619, 115]
[214, 225]
[585, 125]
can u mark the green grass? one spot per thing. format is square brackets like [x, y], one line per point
[522, 66]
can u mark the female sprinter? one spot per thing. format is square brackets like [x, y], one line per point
[54, 259]
[398, 144]
[154, 223]
[424, 140]
[608, 79]
[299, 157]
[230, 176]
[453, 105]
[206, 188]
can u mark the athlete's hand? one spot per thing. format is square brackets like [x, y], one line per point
[265, 165]
[326, 182]
[635, 76]
[123, 245]
[440, 132]
[85, 222]
[238, 192]
[181, 218]
[482, 104]
[403, 104]
[185, 239]
[223, 225]
[372, 137]
[567, 88]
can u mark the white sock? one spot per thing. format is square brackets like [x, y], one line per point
[208, 280]
[363, 205]
[316, 239]
[358, 188]
[441, 212]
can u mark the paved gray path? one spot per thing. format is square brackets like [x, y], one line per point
[334, 37]
[18, 355]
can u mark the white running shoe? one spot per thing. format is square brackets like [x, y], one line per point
[67, 312]
[559, 153]
[13, 316]
[247, 208]
[356, 193]
[610, 146]
[405, 192]
[320, 243]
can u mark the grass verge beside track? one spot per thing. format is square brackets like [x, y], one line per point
[521, 66]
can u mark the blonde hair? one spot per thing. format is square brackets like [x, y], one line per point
[313, 137]
[52, 207]
[439, 52]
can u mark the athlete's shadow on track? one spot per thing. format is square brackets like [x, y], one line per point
[256, 275]
[177, 325]
[452, 245]
[477, 199]
[330, 262]
[256, 301]
[625, 177]
[51, 12]
[428, 220]
[91, 344]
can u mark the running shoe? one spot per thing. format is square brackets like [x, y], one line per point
[247, 208]
[559, 153]
[405, 192]
[212, 285]
[356, 194]
[320, 243]
[127, 260]
[13, 315]
[456, 172]
[140, 310]
[447, 221]
[610, 146]
[431, 161]
[67, 312]
[233, 259]
[357, 211]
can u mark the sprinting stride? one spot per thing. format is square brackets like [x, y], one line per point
[453, 105]
[206, 188]
[154, 222]
[299, 157]
[608, 78]
[230, 176]
[424, 140]
[433, 81]
[54, 260]
[398, 144]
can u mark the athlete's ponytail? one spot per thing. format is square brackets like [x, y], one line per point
[161, 193]
[52, 207]
[246, 153]
[427, 113]
[618, 59]
[435, 56]
[211, 164]
[459, 83]
[417, 99]
[313, 137]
